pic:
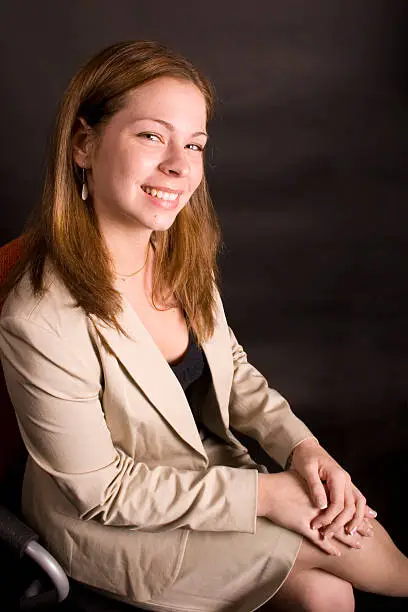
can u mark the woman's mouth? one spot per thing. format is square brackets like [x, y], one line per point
[168, 199]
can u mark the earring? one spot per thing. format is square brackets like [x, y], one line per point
[85, 191]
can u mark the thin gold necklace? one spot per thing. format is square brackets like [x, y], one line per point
[124, 277]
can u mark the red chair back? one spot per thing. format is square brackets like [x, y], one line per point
[11, 445]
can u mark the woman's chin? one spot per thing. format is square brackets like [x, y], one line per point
[155, 223]
[161, 223]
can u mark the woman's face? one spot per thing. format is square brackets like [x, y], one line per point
[148, 159]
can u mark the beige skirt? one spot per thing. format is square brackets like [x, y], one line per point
[229, 572]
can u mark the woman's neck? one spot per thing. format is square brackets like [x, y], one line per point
[128, 247]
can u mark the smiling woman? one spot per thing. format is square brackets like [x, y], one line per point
[145, 170]
[132, 120]
[126, 379]
[142, 171]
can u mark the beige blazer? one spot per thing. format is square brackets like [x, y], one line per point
[117, 475]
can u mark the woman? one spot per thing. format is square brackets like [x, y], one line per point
[126, 378]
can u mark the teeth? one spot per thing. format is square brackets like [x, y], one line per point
[162, 195]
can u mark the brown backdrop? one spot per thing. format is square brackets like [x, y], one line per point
[307, 169]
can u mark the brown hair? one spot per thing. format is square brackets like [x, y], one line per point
[65, 229]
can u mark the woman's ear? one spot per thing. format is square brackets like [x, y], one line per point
[82, 143]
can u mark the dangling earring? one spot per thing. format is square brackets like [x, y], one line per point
[85, 191]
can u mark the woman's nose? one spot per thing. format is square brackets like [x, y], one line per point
[175, 164]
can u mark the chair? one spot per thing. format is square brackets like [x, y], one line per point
[25, 565]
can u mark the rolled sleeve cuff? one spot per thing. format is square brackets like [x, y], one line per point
[243, 501]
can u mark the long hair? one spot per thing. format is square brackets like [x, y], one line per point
[65, 230]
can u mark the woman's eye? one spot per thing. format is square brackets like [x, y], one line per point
[195, 147]
[150, 136]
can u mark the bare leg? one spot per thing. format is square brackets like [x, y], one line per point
[312, 590]
[319, 582]
[378, 567]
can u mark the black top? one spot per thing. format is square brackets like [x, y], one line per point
[190, 370]
[191, 365]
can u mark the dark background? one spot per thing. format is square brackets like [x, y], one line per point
[307, 170]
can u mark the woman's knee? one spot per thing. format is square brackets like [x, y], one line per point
[324, 592]
[314, 591]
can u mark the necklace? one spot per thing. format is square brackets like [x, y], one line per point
[124, 277]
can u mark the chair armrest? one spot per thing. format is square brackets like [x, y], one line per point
[23, 541]
[13, 532]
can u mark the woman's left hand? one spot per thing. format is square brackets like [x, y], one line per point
[343, 505]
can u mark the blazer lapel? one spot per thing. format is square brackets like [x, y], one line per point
[146, 365]
[218, 353]
[217, 350]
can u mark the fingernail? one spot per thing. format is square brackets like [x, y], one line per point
[322, 506]
[357, 544]
[372, 513]
[370, 532]
[353, 531]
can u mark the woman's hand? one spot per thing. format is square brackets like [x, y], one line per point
[344, 507]
[284, 499]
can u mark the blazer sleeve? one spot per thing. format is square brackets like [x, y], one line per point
[261, 412]
[56, 390]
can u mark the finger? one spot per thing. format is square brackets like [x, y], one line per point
[365, 529]
[344, 517]
[324, 544]
[358, 518]
[369, 512]
[336, 485]
[353, 541]
[316, 487]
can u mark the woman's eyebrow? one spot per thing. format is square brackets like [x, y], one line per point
[168, 125]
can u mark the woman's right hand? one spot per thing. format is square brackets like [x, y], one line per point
[284, 499]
